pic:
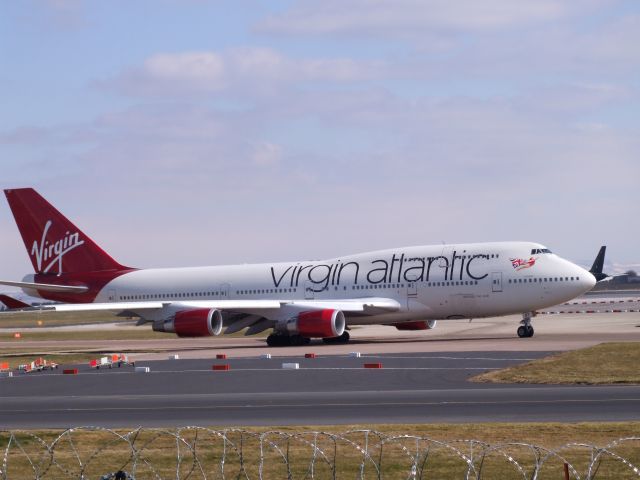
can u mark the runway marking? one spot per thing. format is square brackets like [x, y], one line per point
[454, 358]
[317, 405]
[274, 369]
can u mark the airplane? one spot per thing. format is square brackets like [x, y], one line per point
[13, 303]
[410, 288]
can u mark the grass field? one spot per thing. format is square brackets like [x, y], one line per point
[16, 354]
[50, 319]
[287, 452]
[15, 358]
[34, 335]
[607, 363]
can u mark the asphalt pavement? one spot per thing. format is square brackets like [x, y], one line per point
[335, 389]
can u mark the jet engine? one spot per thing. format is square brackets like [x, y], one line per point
[202, 322]
[317, 324]
[423, 325]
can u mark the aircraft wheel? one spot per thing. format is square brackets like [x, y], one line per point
[344, 338]
[530, 331]
[522, 331]
[276, 340]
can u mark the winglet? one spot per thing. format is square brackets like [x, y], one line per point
[13, 303]
[598, 263]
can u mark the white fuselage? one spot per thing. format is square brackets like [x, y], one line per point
[430, 282]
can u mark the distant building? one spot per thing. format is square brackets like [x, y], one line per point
[626, 278]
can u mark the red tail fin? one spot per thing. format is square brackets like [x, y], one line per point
[54, 244]
[13, 302]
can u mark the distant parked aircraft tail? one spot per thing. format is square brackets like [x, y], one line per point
[598, 264]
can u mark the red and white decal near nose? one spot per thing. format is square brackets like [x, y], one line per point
[408, 287]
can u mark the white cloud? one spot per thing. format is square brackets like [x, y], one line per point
[427, 170]
[267, 154]
[399, 17]
[253, 68]
[204, 70]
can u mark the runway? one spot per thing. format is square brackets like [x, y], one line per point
[410, 388]
[424, 379]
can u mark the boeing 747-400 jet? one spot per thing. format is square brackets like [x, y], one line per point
[410, 288]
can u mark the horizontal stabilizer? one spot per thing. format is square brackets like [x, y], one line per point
[13, 303]
[46, 287]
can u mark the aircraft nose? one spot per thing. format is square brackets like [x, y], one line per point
[587, 280]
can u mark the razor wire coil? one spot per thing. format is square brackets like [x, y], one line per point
[200, 453]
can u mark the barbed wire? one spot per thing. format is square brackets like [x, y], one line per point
[203, 453]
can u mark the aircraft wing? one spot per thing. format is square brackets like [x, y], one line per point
[270, 308]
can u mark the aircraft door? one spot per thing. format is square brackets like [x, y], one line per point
[224, 290]
[112, 296]
[496, 281]
[412, 292]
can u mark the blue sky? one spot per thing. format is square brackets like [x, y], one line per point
[195, 132]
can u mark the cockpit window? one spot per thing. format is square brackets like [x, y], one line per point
[537, 251]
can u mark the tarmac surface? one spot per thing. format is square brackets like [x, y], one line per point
[424, 379]
[410, 388]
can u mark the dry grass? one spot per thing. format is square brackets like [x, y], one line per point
[142, 333]
[16, 354]
[160, 450]
[55, 319]
[607, 363]
[71, 358]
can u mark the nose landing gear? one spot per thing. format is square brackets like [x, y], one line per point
[525, 330]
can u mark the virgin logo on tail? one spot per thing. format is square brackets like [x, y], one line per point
[51, 253]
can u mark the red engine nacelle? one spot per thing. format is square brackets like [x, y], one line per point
[424, 325]
[203, 322]
[318, 324]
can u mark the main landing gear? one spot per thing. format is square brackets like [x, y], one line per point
[344, 338]
[525, 330]
[281, 340]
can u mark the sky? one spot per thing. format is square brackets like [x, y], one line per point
[179, 133]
